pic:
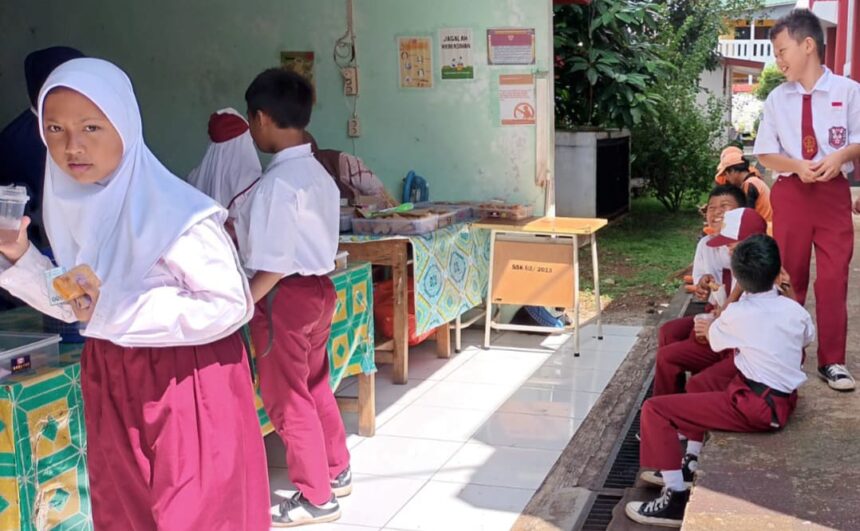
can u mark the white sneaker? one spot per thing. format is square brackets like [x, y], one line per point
[837, 377]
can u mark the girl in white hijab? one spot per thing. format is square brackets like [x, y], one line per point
[173, 440]
[230, 164]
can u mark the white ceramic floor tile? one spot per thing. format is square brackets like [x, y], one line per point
[446, 506]
[502, 355]
[376, 499]
[608, 343]
[426, 365]
[531, 342]
[400, 456]
[391, 398]
[611, 330]
[440, 423]
[527, 431]
[481, 464]
[550, 401]
[588, 360]
[586, 380]
[496, 372]
[485, 397]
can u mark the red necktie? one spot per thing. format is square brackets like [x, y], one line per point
[809, 144]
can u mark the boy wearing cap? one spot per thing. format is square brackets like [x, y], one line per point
[753, 390]
[809, 134]
[675, 359]
[735, 169]
[710, 264]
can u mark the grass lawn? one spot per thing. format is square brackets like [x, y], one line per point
[642, 254]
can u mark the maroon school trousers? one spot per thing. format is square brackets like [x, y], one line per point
[173, 439]
[819, 215]
[717, 398]
[294, 381]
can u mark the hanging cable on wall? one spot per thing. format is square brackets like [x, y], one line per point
[346, 59]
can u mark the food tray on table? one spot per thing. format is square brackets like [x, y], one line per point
[411, 223]
[450, 213]
[503, 211]
[24, 352]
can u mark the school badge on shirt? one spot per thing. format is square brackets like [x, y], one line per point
[837, 136]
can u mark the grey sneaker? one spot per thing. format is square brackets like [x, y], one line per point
[341, 486]
[837, 377]
[298, 510]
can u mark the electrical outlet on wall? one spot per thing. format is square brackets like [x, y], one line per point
[353, 128]
[350, 80]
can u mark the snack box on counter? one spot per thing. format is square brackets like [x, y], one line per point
[412, 223]
[23, 352]
[450, 213]
[494, 210]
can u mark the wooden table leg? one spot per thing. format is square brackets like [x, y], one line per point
[367, 405]
[401, 320]
[443, 341]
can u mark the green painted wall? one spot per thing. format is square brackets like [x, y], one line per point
[190, 58]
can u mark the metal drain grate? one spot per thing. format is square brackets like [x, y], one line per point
[626, 465]
[601, 513]
[622, 475]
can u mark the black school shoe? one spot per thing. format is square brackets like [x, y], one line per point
[341, 486]
[666, 511]
[297, 511]
[689, 465]
[837, 377]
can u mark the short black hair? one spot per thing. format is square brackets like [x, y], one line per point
[756, 263]
[285, 96]
[800, 24]
[731, 190]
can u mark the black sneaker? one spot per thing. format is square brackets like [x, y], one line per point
[689, 465]
[298, 511]
[341, 486]
[667, 510]
[837, 377]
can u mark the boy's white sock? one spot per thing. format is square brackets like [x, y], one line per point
[674, 480]
[694, 447]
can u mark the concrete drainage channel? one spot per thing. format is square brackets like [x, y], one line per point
[622, 470]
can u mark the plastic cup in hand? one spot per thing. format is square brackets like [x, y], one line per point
[13, 199]
[703, 318]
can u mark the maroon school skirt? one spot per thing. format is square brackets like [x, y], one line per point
[173, 440]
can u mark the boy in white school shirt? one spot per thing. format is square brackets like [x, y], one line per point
[809, 134]
[754, 390]
[288, 231]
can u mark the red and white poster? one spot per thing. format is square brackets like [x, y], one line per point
[517, 99]
[511, 46]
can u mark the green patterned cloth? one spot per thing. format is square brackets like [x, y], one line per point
[450, 268]
[43, 473]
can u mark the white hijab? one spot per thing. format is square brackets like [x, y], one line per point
[228, 167]
[121, 228]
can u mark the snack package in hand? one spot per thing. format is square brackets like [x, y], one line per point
[68, 286]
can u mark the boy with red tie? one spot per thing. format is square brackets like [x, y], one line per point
[809, 134]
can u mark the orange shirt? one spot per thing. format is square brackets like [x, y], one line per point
[762, 203]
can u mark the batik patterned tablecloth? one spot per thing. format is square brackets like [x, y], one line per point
[450, 268]
[43, 473]
[350, 346]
